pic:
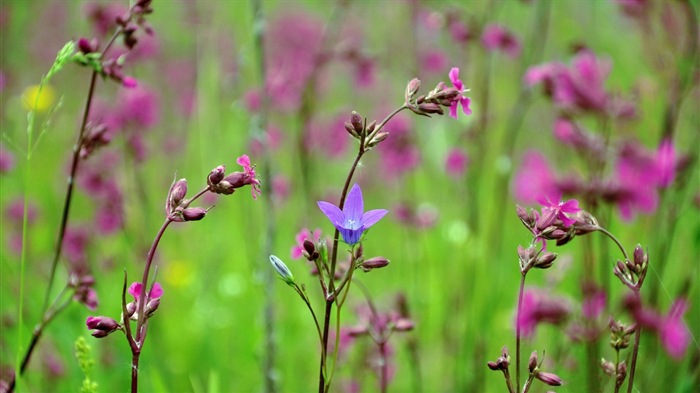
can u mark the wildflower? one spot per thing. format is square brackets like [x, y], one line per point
[539, 307]
[461, 100]
[534, 179]
[560, 209]
[456, 163]
[665, 163]
[351, 221]
[7, 160]
[152, 299]
[497, 37]
[673, 332]
[237, 179]
[303, 235]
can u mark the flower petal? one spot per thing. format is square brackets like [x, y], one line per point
[156, 291]
[454, 77]
[570, 206]
[332, 212]
[135, 290]
[354, 206]
[453, 110]
[371, 217]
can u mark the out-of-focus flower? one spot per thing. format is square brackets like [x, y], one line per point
[434, 60]
[456, 163]
[39, 101]
[328, 137]
[665, 164]
[673, 332]
[496, 37]
[398, 153]
[139, 107]
[594, 300]
[7, 160]
[535, 179]
[352, 221]
[541, 307]
[104, 16]
[461, 100]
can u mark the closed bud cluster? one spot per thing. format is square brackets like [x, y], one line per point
[632, 273]
[502, 362]
[310, 252]
[376, 139]
[619, 335]
[545, 260]
[102, 326]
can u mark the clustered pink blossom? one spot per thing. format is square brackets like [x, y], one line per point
[497, 38]
[540, 306]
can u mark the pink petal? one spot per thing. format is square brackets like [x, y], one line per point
[135, 290]
[156, 291]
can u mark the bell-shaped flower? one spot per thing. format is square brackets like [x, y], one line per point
[352, 221]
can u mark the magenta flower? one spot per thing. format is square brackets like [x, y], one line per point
[462, 100]
[497, 37]
[456, 163]
[559, 208]
[673, 332]
[155, 293]
[535, 178]
[541, 307]
[352, 221]
[7, 160]
[665, 162]
[249, 171]
[304, 234]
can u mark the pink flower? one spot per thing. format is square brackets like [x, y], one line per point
[7, 160]
[456, 163]
[140, 107]
[497, 37]
[594, 300]
[535, 179]
[559, 208]
[249, 171]
[304, 234]
[434, 60]
[462, 100]
[398, 153]
[328, 137]
[665, 163]
[155, 293]
[673, 332]
[541, 307]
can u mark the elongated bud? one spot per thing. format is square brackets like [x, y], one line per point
[371, 126]
[282, 270]
[549, 378]
[378, 139]
[374, 263]
[152, 306]
[216, 175]
[176, 194]
[130, 309]
[351, 130]
[607, 366]
[194, 213]
[640, 257]
[532, 363]
[403, 325]
[356, 122]
[412, 89]
[101, 326]
[545, 260]
[430, 108]
[310, 250]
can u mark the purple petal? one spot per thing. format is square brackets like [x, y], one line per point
[570, 206]
[371, 217]
[354, 206]
[454, 77]
[465, 101]
[332, 212]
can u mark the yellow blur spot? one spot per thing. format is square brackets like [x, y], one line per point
[43, 101]
[178, 273]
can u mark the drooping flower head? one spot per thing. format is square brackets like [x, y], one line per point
[352, 221]
[462, 100]
[249, 170]
[559, 208]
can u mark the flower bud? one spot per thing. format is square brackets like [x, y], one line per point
[194, 213]
[378, 139]
[282, 270]
[310, 250]
[176, 194]
[351, 130]
[546, 219]
[216, 175]
[532, 363]
[607, 366]
[87, 46]
[356, 122]
[548, 378]
[371, 126]
[374, 263]
[152, 306]
[101, 326]
[545, 260]
[640, 258]
[130, 309]
[430, 107]
[412, 89]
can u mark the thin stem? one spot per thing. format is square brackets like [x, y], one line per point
[384, 371]
[617, 364]
[509, 383]
[635, 351]
[517, 329]
[614, 239]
